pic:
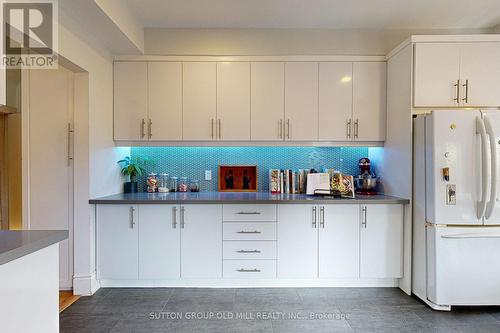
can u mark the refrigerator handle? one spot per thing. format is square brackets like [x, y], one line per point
[481, 205]
[493, 165]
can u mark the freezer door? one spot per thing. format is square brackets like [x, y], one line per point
[463, 265]
[452, 142]
[492, 124]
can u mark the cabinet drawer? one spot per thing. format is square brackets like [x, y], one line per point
[249, 231]
[249, 213]
[249, 269]
[249, 250]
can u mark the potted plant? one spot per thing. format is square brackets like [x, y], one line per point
[132, 167]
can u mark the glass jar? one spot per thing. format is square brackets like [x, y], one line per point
[173, 184]
[194, 186]
[183, 185]
[163, 183]
[152, 183]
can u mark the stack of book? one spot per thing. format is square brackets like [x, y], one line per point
[287, 181]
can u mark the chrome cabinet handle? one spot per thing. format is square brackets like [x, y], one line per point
[143, 128]
[356, 128]
[70, 146]
[314, 224]
[242, 270]
[248, 213]
[182, 217]
[132, 222]
[363, 217]
[150, 126]
[322, 217]
[349, 122]
[281, 129]
[466, 86]
[174, 217]
[220, 129]
[457, 91]
[288, 128]
[212, 128]
[248, 232]
[248, 251]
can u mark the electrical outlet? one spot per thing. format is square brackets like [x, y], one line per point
[208, 174]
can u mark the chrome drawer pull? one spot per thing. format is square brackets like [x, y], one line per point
[248, 251]
[242, 270]
[249, 232]
[248, 213]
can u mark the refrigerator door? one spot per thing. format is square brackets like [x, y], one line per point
[492, 125]
[463, 265]
[454, 145]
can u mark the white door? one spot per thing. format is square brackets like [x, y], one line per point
[369, 101]
[50, 96]
[130, 100]
[117, 242]
[301, 101]
[298, 241]
[335, 101]
[381, 241]
[199, 100]
[233, 101]
[339, 241]
[201, 241]
[479, 73]
[492, 125]
[437, 70]
[452, 143]
[165, 101]
[159, 242]
[267, 101]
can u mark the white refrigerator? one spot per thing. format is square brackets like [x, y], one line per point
[456, 208]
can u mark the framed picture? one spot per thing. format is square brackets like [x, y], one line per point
[238, 178]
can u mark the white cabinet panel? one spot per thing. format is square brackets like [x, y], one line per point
[250, 250]
[159, 242]
[369, 101]
[267, 100]
[249, 212]
[117, 232]
[233, 101]
[339, 241]
[201, 241]
[165, 101]
[480, 74]
[130, 100]
[335, 101]
[301, 101]
[381, 241]
[249, 269]
[249, 231]
[199, 100]
[437, 67]
[297, 241]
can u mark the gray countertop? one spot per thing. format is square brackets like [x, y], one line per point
[239, 198]
[16, 244]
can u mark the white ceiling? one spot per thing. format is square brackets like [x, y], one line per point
[332, 14]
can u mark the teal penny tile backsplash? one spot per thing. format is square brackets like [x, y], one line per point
[192, 162]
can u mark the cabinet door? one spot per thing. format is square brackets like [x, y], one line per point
[117, 245]
[436, 72]
[159, 242]
[480, 71]
[335, 101]
[297, 241]
[339, 241]
[381, 244]
[268, 104]
[201, 241]
[165, 101]
[301, 101]
[233, 101]
[369, 101]
[199, 100]
[130, 100]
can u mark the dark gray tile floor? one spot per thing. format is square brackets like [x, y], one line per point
[269, 310]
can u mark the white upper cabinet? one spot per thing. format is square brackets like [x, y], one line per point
[199, 101]
[369, 101]
[335, 101]
[480, 74]
[130, 100]
[165, 101]
[301, 101]
[267, 101]
[233, 101]
[457, 74]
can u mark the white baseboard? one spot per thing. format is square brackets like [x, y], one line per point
[85, 285]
